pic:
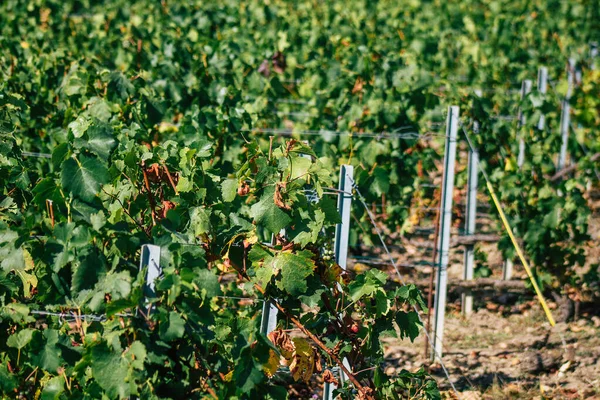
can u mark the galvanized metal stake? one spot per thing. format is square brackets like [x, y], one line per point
[565, 118]
[344, 205]
[150, 258]
[525, 90]
[467, 298]
[342, 236]
[507, 270]
[268, 321]
[542, 87]
[445, 224]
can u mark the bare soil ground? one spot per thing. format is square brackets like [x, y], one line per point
[506, 348]
[491, 356]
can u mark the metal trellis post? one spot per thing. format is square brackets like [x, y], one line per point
[342, 230]
[342, 235]
[565, 118]
[542, 87]
[150, 258]
[467, 298]
[507, 269]
[268, 321]
[445, 224]
[525, 90]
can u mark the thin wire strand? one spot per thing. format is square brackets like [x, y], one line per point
[402, 280]
[75, 316]
[381, 261]
[324, 132]
[240, 298]
[72, 315]
[38, 155]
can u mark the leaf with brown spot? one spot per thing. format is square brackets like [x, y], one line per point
[243, 189]
[278, 198]
[167, 205]
[154, 173]
[358, 85]
[283, 342]
[303, 360]
[328, 377]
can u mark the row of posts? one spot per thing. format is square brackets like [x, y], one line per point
[472, 183]
[565, 122]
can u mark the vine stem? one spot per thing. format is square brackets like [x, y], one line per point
[364, 390]
[170, 179]
[31, 374]
[150, 197]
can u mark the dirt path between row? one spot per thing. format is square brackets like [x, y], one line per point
[490, 356]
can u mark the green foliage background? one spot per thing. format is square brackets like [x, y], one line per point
[106, 86]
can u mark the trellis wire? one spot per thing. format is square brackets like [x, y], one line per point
[503, 117]
[321, 132]
[381, 261]
[325, 132]
[73, 316]
[38, 155]
[294, 114]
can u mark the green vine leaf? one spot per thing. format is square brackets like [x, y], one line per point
[265, 212]
[20, 339]
[100, 140]
[172, 328]
[409, 324]
[83, 177]
[229, 189]
[295, 268]
[110, 371]
[47, 354]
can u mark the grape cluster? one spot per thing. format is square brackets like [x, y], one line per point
[327, 253]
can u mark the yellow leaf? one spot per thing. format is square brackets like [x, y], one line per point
[272, 364]
[359, 267]
[28, 260]
[252, 238]
[24, 45]
[166, 127]
[509, 164]
[228, 376]
[334, 272]
[303, 360]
